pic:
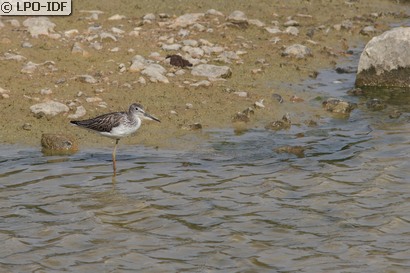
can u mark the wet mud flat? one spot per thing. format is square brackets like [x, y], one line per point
[95, 61]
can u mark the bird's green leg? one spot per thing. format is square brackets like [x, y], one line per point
[113, 157]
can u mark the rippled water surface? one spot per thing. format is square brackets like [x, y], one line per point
[234, 205]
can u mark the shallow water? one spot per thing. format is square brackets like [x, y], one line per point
[234, 205]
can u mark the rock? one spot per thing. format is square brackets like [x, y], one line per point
[138, 63]
[368, 31]
[189, 42]
[186, 20]
[117, 31]
[214, 12]
[80, 111]
[46, 91]
[27, 126]
[375, 105]
[277, 97]
[193, 127]
[26, 45]
[292, 31]
[242, 94]
[299, 151]
[79, 49]
[149, 17]
[29, 68]
[194, 52]
[142, 80]
[296, 99]
[39, 26]
[273, 30]
[259, 104]
[227, 56]
[243, 116]
[298, 51]
[177, 60]
[71, 33]
[155, 72]
[238, 18]
[347, 24]
[212, 49]
[256, 22]
[107, 36]
[212, 71]
[14, 57]
[338, 106]
[395, 114]
[282, 124]
[385, 61]
[4, 94]
[291, 23]
[58, 144]
[96, 45]
[203, 83]
[116, 17]
[171, 47]
[93, 99]
[50, 108]
[87, 79]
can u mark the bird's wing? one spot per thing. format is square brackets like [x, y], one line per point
[103, 123]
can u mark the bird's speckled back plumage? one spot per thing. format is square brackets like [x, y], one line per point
[103, 123]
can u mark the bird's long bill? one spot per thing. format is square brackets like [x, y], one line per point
[148, 116]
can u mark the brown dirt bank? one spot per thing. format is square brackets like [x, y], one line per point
[212, 106]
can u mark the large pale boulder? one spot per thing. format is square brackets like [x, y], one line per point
[385, 61]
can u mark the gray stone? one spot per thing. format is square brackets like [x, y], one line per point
[283, 124]
[273, 30]
[138, 63]
[149, 16]
[338, 106]
[238, 17]
[291, 23]
[51, 108]
[211, 71]
[256, 22]
[369, 30]
[292, 31]
[80, 111]
[39, 26]
[375, 105]
[385, 61]
[87, 79]
[214, 12]
[186, 20]
[29, 68]
[297, 51]
[155, 72]
[167, 47]
[14, 57]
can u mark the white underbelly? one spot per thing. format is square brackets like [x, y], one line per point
[121, 131]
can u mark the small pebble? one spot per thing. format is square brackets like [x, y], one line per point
[295, 98]
[375, 104]
[27, 126]
[259, 104]
[277, 97]
[395, 114]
